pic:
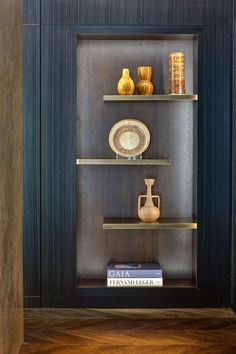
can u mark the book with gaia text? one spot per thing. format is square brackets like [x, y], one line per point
[134, 275]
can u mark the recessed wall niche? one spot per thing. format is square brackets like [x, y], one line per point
[108, 191]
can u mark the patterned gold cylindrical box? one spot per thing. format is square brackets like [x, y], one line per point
[176, 74]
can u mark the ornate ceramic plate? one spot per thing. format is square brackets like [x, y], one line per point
[129, 138]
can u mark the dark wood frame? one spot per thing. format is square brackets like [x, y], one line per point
[233, 275]
[53, 127]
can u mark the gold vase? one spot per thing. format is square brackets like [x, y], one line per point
[144, 86]
[149, 212]
[125, 85]
[176, 74]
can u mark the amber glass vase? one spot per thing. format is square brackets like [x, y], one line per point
[176, 74]
[145, 86]
[125, 85]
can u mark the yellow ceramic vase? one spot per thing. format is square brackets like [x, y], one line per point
[125, 85]
[145, 87]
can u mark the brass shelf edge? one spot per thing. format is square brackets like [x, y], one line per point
[142, 162]
[167, 283]
[138, 225]
[139, 98]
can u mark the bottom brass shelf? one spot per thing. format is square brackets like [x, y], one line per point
[167, 283]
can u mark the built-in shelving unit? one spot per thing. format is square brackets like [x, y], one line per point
[135, 224]
[119, 162]
[69, 239]
[111, 194]
[140, 98]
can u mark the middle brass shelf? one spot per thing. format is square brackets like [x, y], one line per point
[136, 224]
[119, 162]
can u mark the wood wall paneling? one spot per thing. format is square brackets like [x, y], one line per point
[214, 165]
[31, 11]
[96, 12]
[32, 165]
[219, 12]
[58, 144]
[138, 12]
[11, 267]
[59, 13]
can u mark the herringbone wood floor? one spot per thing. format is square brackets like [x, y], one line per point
[83, 331]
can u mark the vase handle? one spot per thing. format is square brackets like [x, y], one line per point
[158, 200]
[139, 201]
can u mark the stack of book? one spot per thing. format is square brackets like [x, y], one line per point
[134, 275]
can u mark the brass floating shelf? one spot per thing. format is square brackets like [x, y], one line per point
[141, 98]
[167, 283]
[136, 224]
[119, 162]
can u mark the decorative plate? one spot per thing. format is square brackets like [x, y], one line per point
[129, 138]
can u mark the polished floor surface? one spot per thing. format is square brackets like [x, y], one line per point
[92, 331]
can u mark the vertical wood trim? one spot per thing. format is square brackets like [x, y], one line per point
[11, 260]
[215, 166]
[31, 161]
[31, 11]
[233, 264]
[58, 151]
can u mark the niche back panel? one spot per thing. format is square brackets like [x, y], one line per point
[108, 191]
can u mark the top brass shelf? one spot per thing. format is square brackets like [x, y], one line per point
[142, 98]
